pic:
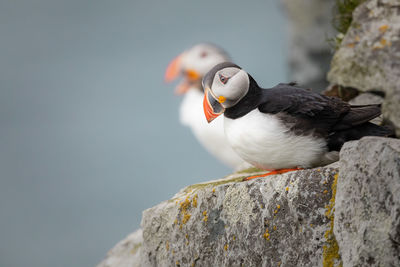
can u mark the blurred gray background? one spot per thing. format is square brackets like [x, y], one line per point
[89, 132]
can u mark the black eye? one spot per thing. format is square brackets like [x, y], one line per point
[223, 79]
[203, 54]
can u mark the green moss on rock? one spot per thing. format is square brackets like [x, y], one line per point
[343, 16]
[250, 170]
[342, 19]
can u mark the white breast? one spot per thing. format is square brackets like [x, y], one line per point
[264, 141]
[211, 136]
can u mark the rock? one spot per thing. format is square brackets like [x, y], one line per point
[126, 253]
[345, 93]
[367, 208]
[309, 25]
[391, 109]
[366, 99]
[369, 55]
[280, 220]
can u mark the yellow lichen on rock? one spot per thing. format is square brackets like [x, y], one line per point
[184, 206]
[205, 219]
[277, 208]
[194, 201]
[186, 218]
[226, 247]
[331, 250]
[383, 28]
[266, 234]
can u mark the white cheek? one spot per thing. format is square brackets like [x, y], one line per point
[218, 87]
[238, 87]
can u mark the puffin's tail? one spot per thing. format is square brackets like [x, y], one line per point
[337, 139]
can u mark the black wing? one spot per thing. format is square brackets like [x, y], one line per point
[309, 111]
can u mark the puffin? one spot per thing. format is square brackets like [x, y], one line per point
[192, 65]
[286, 127]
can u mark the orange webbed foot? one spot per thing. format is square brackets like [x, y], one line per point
[280, 171]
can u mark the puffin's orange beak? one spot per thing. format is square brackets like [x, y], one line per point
[173, 69]
[192, 75]
[212, 107]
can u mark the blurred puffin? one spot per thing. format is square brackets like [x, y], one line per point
[192, 65]
[286, 127]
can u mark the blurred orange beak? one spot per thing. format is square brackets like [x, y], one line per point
[212, 107]
[192, 75]
[173, 69]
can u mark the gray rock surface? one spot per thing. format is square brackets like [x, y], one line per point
[391, 107]
[366, 99]
[367, 209]
[279, 220]
[369, 55]
[309, 27]
[126, 253]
